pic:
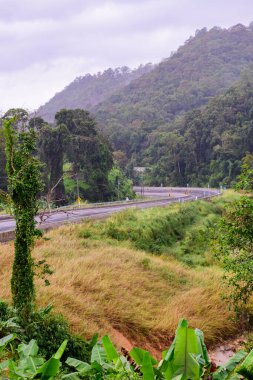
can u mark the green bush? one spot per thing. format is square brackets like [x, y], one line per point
[49, 331]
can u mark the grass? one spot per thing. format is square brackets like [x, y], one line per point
[181, 231]
[105, 285]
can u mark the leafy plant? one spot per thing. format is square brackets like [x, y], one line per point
[24, 184]
[28, 364]
[233, 242]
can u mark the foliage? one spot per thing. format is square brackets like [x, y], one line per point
[228, 370]
[187, 358]
[120, 186]
[24, 185]
[246, 367]
[155, 118]
[49, 330]
[29, 365]
[179, 230]
[245, 179]
[234, 249]
[87, 91]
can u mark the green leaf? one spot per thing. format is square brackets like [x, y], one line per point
[109, 348]
[30, 349]
[78, 365]
[202, 347]
[223, 372]
[71, 376]
[50, 369]
[98, 354]
[147, 367]
[60, 350]
[138, 356]
[186, 345]
[6, 340]
[93, 340]
[246, 368]
[4, 364]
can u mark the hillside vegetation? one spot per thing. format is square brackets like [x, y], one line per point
[106, 285]
[207, 144]
[87, 91]
[153, 116]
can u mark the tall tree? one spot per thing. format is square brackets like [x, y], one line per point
[24, 184]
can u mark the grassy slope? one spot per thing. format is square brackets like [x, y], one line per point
[104, 285]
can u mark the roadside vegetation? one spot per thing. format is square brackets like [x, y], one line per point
[133, 276]
[106, 284]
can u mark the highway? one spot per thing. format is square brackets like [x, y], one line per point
[154, 197]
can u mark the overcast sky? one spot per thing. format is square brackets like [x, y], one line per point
[45, 44]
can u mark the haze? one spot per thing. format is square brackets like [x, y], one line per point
[46, 44]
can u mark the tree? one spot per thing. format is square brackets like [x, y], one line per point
[121, 187]
[52, 143]
[24, 184]
[234, 240]
[245, 179]
[88, 152]
[234, 249]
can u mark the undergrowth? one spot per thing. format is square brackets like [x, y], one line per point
[179, 230]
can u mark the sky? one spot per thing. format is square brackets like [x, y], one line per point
[46, 44]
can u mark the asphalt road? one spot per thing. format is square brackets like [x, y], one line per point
[163, 196]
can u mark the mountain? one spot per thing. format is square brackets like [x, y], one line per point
[143, 116]
[205, 66]
[87, 91]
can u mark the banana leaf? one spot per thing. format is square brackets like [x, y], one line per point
[224, 372]
[246, 368]
[110, 350]
[50, 369]
[6, 340]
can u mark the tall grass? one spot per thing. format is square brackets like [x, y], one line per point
[181, 231]
[107, 285]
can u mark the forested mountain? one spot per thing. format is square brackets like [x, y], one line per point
[205, 66]
[149, 120]
[87, 91]
[206, 145]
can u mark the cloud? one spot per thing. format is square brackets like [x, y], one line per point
[46, 43]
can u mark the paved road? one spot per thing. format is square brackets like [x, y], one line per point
[163, 196]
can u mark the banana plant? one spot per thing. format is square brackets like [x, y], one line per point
[105, 361]
[29, 364]
[186, 358]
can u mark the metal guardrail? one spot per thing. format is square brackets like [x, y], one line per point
[187, 196]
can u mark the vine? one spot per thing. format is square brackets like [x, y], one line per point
[24, 183]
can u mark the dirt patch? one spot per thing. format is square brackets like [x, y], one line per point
[225, 351]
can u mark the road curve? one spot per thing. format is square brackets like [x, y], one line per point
[159, 196]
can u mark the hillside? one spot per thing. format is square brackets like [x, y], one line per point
[206, 145]
[105, 280]
[87, 91]
[205, 66]
[144, 119]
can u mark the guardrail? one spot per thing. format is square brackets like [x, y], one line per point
[191, 194]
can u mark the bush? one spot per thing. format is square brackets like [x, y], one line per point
[49, 331]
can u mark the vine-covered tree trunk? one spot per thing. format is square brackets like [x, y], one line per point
[24, 184]
[22, 285]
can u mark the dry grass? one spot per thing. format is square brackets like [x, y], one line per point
[135, 297]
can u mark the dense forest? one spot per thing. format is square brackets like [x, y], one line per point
[77, 160]
[157, 120]
[207, 144]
